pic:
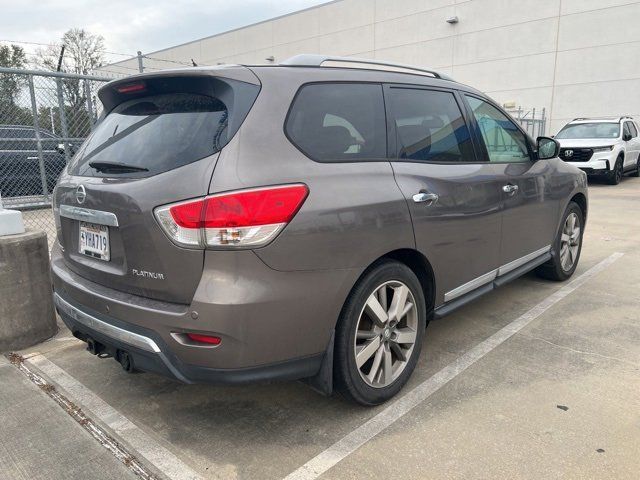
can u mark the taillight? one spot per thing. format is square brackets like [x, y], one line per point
[245, 218]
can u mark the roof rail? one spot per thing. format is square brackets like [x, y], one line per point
[312, 60]
[621, 117]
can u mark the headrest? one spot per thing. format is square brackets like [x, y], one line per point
[433, 123]
[412, 134]
[331, 141]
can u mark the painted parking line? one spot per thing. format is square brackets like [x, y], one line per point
[103, 437]
[398, 408]
[142, 444]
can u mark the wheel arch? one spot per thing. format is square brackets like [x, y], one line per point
[581, 199]
[418, 264]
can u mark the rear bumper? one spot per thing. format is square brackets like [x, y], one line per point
[274, 325]
[148, 352]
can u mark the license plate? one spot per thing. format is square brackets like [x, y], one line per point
[94, 241]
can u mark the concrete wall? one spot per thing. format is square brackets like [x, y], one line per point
[572, 57]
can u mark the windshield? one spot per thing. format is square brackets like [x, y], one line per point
[157, 133]
[590, 130]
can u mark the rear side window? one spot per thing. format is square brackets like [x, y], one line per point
[429, 126]
[163, 131]
[338, 122]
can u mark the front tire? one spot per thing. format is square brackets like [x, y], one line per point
[615, 176]
[566, 247]
[379, 334]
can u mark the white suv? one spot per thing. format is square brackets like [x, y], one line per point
[602, 146]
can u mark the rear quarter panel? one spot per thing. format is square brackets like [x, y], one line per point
[355, 212]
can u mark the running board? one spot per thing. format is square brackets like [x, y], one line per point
[448, 307]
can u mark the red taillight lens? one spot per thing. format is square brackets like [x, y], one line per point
[208, 339]
[188, 215]
[254, 207]
[243, 218]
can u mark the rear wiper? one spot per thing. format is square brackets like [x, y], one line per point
[116, 167]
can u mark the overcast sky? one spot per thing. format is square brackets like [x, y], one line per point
[131, 25]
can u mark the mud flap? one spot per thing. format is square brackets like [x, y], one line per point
[322, 382]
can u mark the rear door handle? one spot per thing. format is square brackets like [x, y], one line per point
[510, 188]
[423, 197]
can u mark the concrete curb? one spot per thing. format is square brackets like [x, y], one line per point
[27, 316]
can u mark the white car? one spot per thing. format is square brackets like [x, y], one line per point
[602, 146]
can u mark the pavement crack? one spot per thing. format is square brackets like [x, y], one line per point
[81, 417]
[583, 352]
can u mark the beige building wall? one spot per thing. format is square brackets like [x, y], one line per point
[572, 57]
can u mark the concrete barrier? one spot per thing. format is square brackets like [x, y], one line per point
[26, 305]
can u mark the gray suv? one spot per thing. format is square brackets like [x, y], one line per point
[300, 221]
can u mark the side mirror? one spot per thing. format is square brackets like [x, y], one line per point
[626, 137]
[60, 148]
[547, 148]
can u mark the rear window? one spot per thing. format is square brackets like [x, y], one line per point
[161, 132]
[334, 122]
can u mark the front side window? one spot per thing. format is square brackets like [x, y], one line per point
[334, 122]
[590, 130]
[429, 126]
[630, 129]
[504, 141]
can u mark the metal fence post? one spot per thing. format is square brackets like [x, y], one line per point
[36, 128]
[140, 66]
[87, 93]
[63, 121]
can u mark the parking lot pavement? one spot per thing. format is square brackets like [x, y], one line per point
[38, 440]
[558, 397]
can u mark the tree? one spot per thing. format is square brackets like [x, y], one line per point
[83, 53]
[11, 85]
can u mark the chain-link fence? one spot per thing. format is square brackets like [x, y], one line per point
[532, 120]
[44, 117]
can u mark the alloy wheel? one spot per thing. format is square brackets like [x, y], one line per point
[386, 334]
[619, 172]
[570, 241]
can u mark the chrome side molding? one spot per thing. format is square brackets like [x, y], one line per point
[117, 333]
[89, 215]
[493, 274]
[522, 260]
[472, 285]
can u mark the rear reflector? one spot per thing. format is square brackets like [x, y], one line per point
[235, 219]
[131, 87]
[208, 339]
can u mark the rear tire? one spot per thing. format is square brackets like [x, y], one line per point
[379, 334]
[615, 176]
[566, 247]
[636, 172]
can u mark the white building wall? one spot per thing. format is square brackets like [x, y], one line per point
[572, 57]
